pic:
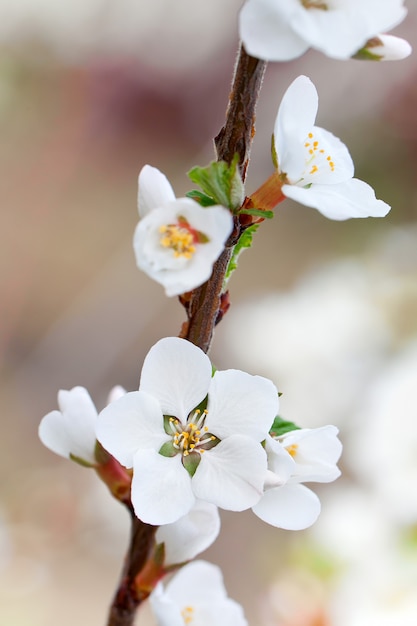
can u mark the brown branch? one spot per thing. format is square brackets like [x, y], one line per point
[128, 597]
[204, 306]
[238, 132]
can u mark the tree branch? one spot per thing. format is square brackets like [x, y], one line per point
[235, 137]
[204, 308]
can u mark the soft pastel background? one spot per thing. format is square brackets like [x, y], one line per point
[89, 92]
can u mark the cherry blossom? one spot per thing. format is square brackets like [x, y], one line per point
[303, 455]
[314, 165]
[189, 435]
[177, 241]
[196, 595]
[280, 30]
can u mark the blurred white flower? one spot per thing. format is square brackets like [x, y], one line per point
[191, 534]
[196, 595]
[353, 528]
[304, 455]
[323, 340]
[71, 431]
[93, 29]
[177, 241]
[315, 166]
[384, 438]
[180, 453]
[379, 592]
[279, 30]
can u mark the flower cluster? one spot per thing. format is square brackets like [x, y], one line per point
[195, 439]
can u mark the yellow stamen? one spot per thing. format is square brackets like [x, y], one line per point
[292, 450]
[179, 239]
[187, 614]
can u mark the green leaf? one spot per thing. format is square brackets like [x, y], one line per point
[245, 241]
[280, 427]
[258, 212]
[201, 198]
[221, 182]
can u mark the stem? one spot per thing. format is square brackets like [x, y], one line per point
[204, 307]
[128, 597]
[238, 132]
[235, 137]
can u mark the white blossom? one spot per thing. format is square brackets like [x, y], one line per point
[70, 432]
[316, 166]
[180, 453]
[191, 534]
[280, 30]
[385, 438]
[177, 241]
[196, 595]
[304, 455]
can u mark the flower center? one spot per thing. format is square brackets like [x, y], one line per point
[179, 238]
[193, 436]
[292, 450]
[187, 614]
[317, 157]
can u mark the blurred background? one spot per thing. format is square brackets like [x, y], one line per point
[92, 90]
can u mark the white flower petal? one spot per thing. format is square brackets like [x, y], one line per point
[191, 534]
[72, 430]
[315, 452]
[293, 507]
[133, 422]
[178, 374]
[327, 159]
[280, 462]
[167, 611]
[336, 33]
[154, 190]
[161, 488]
[295, 119]
[241, 403]
[265, 33]
[115, 393]
[353, 198]
[231, 475]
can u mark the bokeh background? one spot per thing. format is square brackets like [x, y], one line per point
[90, 91]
